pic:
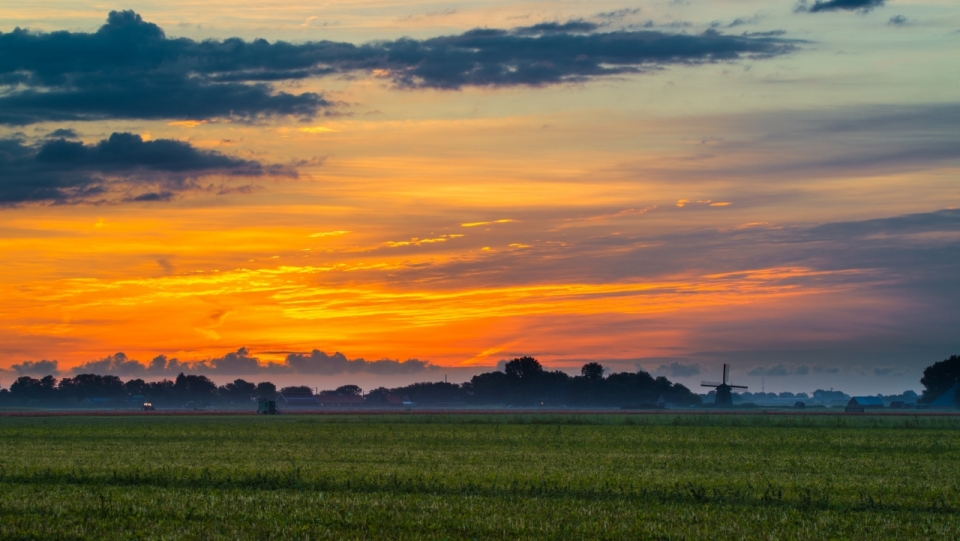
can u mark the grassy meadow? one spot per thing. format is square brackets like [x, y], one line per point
[480, 477]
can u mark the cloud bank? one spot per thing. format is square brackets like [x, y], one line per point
[234, 363]
[130, 69]
[123, 167]
[862, 6]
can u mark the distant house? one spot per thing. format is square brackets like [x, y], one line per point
[669, 399]
[397, 400]
[859, 404]
[96, 401]
[947, 399]
[340, 400]
[303, 400]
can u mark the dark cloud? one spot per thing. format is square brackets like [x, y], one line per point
[234, 363]
[897, 20]
[679, 370]
[779, 371]
[862, 6]
[499, 58]
[318, 362]
[63, 133]
[130, 69]
[36, 368]
[618, 14]
[766, 34]
[574, 26]
[123, 167]
[740, 21]
[117, 364]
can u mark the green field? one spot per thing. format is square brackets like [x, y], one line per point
[480, 477]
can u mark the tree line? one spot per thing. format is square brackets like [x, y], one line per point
[524, 382]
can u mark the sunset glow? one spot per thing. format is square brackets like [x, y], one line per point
[788, 197]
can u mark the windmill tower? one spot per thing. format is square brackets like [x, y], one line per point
[723, 389]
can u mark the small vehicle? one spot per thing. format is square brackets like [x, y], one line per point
[267, 407]
[147, 406]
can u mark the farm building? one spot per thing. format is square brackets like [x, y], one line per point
[947, 399]
[858, 404]
[96, 401]
[303, 400]
[340, 400]
[397, 400]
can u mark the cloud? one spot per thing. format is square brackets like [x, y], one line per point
[826, 369]
[678, 370]
[117, 364]
[318, 362]
[62, 133]
[862, 6]
[488, 57]
[882, 371]
[234, 363]
[36, 368]
[740, 21]
[779, 371]
[897, 20]
[573, 26]
[130, 69]
[122, 167]
[618, 14]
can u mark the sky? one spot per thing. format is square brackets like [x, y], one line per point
[383, 192]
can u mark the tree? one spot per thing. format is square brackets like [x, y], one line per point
[349, 390]
[136, 386]
[194, 388]
[265, 390]
[592, 371]
[937, 378]
[25, 388]
[297, 389]
[524, 368]
[377, 396]
[238, 391]
[91, 386]
[488, 388]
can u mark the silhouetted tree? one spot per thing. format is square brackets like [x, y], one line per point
[194, 388]
[298, 389]
[239, 391]
[524, 367]
[377, 396]
[488, 388]
[937, 378]
[90, 386]
[430, 392]
[349, 390]
[592, 371]
[265, 390]
[136, 386]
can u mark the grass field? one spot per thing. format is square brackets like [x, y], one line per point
[480, 477]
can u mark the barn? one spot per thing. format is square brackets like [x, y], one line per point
[295, 400]
[340, 400]
[859, 404]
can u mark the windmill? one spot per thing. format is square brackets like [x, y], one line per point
[723, 389]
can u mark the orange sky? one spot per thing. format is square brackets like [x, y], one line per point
[678, 216]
